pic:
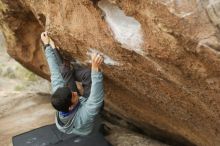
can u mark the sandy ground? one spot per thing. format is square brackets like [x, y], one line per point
[21, 112]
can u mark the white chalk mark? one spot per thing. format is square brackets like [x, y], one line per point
[126, 30]
[77, 140]
[178, 7]
[107, 59]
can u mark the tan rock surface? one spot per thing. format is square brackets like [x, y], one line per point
[164, 76]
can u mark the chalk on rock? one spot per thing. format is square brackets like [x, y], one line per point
[127, 30]
[107, 60]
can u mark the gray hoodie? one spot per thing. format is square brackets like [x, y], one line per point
[84, 118]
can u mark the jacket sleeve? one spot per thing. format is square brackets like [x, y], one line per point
[56, 77]
[91, 108]
[95, 100]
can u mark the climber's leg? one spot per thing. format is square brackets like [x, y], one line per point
[83, 75]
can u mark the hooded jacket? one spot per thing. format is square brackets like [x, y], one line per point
[84, 117]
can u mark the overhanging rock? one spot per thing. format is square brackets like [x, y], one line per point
[163, 76]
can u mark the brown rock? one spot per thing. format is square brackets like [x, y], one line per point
[164, 74]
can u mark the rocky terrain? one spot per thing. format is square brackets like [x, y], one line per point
[162, 57]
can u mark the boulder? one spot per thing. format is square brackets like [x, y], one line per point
[162, 60]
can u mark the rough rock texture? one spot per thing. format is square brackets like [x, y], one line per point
[164, 77]
[119, 136]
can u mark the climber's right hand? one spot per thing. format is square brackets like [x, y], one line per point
[97, 60]
[45, 39]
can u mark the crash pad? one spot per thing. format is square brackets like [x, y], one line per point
[50, 136]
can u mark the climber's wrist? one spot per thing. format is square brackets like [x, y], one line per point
[95, 68]
[46, 45]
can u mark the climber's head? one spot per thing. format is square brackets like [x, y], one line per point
[64, 100]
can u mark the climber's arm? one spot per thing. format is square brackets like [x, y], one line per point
[93, 105]
[53, 62]
[95, 100]
[56, 77]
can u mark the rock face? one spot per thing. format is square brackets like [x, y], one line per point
[162, 67]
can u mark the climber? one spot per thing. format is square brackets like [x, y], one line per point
[75, 114]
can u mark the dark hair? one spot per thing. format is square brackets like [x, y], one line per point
[61, 99]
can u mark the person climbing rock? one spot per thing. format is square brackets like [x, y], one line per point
[75, 114]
